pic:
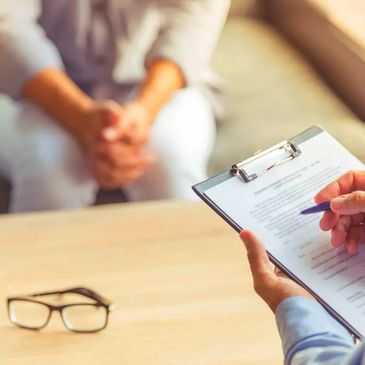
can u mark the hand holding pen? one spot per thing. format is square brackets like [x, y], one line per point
[344, 204]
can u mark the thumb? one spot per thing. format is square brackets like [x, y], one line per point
[256, 254]
[111, 116]
[349, 204]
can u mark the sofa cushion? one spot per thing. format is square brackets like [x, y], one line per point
[273, 94]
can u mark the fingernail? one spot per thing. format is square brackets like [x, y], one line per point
[109, 133]
[243, 237]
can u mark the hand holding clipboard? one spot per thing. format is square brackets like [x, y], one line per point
[266, 192]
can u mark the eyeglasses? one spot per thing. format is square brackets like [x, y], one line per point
[87, 316]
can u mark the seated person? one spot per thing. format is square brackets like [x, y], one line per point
[309, 334]
[107, 94]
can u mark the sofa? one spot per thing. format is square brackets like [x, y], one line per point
[274, 90]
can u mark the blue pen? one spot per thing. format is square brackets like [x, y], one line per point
[317, 208]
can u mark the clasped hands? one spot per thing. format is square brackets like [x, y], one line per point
[114, 141]
[345, 221]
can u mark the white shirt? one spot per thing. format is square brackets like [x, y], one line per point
[103, 41]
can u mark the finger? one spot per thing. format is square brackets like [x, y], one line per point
[113, 133]
[126, 162]
[134, 174]
[112, 147]
[144, 161]
[136, 133]
[339, 232]
[110, 134]
[102, 175]
[257, 256]
[120, 161]
[118, 154]
[349, 204]
[328, 221]
[328, 192]
[110, 114]
[121, 173]
[108, 180]
[351, 181]
[355, 236]
[357, 219]
[129, 175]
[110, 177]
[138, 139]
[343, 226]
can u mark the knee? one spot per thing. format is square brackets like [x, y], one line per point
[50, 189]
[52, 178]
[50, 171]
[45, 148]
[184, 131]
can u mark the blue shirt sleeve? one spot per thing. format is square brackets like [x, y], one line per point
[311, 336]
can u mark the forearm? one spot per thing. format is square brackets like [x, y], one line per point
[54, 92]
[163, 79]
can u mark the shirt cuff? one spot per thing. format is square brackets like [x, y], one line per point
[299, 318]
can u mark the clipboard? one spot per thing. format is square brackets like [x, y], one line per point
[288, 151]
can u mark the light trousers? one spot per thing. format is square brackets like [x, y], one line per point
[48, 170]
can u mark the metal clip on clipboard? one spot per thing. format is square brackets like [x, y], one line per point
[274, 156]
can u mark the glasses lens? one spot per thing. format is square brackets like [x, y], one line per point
[85, 317]
[28, 314]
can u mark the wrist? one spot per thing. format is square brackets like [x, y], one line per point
[162, 80]
[148, 108]
[146, 111]
[283, 289]
[54, 92]
[80, 121]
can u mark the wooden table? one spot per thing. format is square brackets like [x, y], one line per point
[175, 271]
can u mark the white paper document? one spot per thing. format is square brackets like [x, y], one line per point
[270, 207]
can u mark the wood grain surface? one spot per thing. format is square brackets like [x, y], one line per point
[176, 273]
